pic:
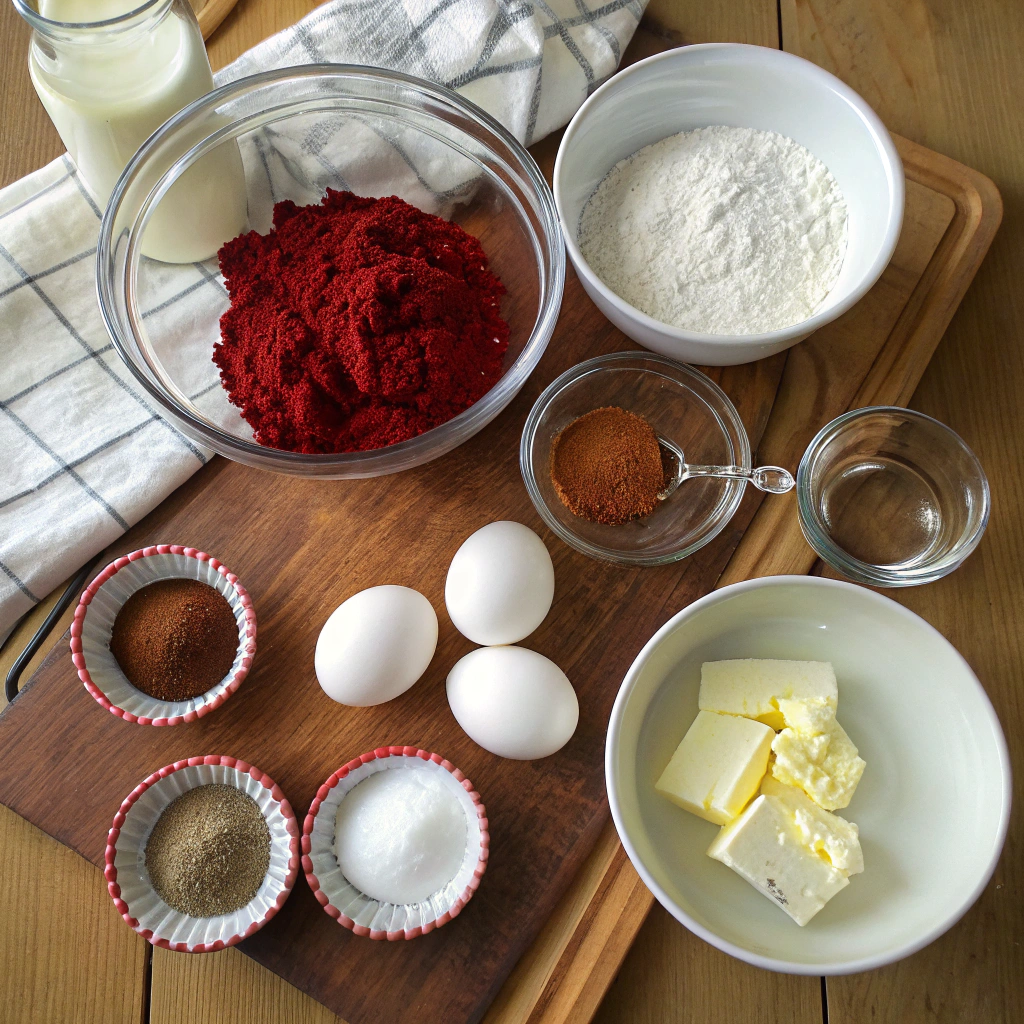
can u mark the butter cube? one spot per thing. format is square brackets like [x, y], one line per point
[718, 766]
[764, 846]
[820, 831]
[825, 765]
[753, 687]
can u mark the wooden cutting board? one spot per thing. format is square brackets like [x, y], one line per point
[301, 547]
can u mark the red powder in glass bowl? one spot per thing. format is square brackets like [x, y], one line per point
[356, 324]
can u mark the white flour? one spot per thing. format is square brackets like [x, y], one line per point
[718, 230]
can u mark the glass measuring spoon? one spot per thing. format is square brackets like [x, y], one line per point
[771, 479]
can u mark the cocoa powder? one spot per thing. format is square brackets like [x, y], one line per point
[175, 639]
[606, 466]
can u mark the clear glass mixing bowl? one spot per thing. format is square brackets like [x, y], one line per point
[301, 130]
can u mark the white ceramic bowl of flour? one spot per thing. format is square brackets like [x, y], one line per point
[737, 86]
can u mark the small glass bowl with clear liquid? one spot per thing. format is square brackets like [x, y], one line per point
[891, 497]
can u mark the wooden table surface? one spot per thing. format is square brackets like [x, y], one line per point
[942, 72]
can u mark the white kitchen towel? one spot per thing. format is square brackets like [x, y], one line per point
[83, 452]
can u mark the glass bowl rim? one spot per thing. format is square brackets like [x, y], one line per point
[735, 488]
[415, 450]
[817, 535]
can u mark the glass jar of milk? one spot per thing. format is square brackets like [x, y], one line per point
[109, 73]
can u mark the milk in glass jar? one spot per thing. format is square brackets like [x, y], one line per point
[109, 73]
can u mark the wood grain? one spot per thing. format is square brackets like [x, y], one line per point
[564, 974]
[671, 975]
[690, 21]
[250, 22]
[58, 923]
[211, 14]
[29, 139]
[945, 74]
[65, 951]
[224, 988]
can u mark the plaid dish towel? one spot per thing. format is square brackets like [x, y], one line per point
[83, 452]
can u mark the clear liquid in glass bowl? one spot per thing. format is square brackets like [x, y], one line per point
[891, 497]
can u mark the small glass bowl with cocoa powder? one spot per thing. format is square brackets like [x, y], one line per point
[619, 407]
[163, 635]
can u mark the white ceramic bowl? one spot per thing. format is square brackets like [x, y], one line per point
[98, 609]
[747, 87]
[932, 807]
[128, 879]
[354, 909]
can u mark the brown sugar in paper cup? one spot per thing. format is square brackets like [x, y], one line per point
[128, 880]
[94, 623]
[354, 909]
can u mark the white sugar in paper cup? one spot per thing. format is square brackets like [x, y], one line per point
[128, 880]
[94, 623]
[351, 907]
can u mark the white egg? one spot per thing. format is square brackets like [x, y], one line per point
[500, 584]
[513, 702]
[375, 645]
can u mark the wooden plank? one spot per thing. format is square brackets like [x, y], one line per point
[671, 975]
[57, 922]
[211, 14]
[226, 988]
[66, 953]
[564, 974]
[944, 73]
[250, 22]
[29, 138]
[690, 21]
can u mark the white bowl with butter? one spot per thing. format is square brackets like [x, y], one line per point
[932, 806]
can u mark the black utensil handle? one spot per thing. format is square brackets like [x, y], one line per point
[74, 588]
